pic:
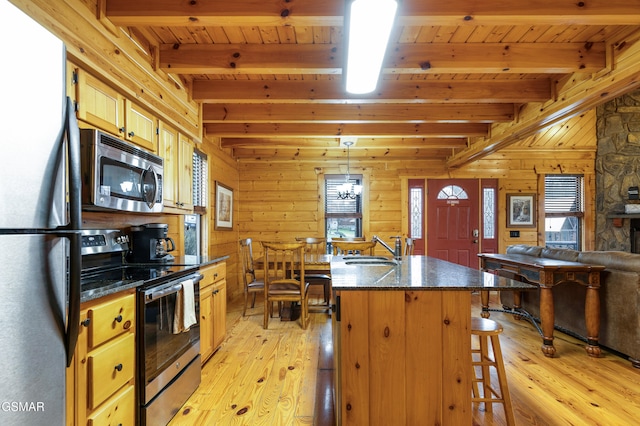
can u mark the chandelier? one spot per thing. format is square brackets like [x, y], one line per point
[348, 190]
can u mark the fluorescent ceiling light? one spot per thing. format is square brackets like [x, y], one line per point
[370, 23]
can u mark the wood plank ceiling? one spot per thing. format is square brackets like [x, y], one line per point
[461, 79]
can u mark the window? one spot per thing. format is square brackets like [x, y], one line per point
[452, 192]
[200, 179]
[564, 211]
[343, 217]
[488, 213]
[415, 209]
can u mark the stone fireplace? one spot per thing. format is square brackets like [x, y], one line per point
[617, 170]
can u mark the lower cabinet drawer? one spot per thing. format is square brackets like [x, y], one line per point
[110, 368]
[111, 319]
[119, 411]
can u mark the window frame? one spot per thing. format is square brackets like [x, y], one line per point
[578, 212]
[330, 197]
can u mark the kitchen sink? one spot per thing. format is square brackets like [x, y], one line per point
[365, 258]
[372, 262]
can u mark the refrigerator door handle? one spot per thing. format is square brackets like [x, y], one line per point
[75, 224]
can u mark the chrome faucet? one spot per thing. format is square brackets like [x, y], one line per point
[397, 253]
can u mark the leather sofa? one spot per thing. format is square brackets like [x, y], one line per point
[619, 298]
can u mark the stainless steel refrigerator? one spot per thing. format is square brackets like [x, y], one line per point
[40, 213]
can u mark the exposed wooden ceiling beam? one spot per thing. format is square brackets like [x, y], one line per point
[392, 91]
[366, 113]
[538, 58]
[420, 143]
[323, 154]
[381, 130]
[411, 12]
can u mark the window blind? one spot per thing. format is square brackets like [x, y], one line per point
[563, 193]
[333, 204]
[200, 179]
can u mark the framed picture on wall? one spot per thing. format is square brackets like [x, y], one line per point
[224, 207]
[522, 211]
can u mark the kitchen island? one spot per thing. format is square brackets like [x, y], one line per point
[402, 339]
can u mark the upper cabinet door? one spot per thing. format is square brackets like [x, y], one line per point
[185, 172]
[141, 126]
[177, 152]
[168, 150]
[99, 104]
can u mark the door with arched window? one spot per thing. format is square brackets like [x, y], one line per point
[453, 220]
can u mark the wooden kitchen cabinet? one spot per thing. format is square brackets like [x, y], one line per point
[101, 382]
[100, 105]
[141, 126]
[177, 152]
[213, 309]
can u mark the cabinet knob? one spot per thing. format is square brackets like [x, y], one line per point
[121, 129]
[131, 134]
[118, 318]
[118, 367]
[86, 322]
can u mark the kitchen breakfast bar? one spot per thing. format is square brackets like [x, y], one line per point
[402, 339]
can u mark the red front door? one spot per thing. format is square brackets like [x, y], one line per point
[453, 229]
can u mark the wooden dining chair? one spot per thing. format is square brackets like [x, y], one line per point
[409, 246]
[252, 285]
[282, 262]
[316, 247]
[353, 247]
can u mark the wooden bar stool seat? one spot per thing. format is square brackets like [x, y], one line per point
[489, 330]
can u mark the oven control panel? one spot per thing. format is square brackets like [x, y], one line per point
[103, 241]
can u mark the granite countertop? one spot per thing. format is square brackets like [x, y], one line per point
[415, 273]
[197, 261]
[98, 288]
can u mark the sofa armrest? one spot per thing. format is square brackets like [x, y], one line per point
[612, 260]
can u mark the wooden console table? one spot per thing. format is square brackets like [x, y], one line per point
[547, 273]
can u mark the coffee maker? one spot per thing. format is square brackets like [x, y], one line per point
[151, 244]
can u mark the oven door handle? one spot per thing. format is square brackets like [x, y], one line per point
[155, 294]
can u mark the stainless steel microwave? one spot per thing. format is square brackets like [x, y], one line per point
[119, 176]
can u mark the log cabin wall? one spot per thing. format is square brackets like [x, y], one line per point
[282, 200]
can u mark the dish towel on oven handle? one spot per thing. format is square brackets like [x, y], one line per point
[185, 313]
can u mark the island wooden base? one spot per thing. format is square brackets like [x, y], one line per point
[403, 357]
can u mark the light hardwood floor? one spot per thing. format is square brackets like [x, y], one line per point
[281, 376]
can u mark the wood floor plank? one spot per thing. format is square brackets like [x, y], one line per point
[252, 370]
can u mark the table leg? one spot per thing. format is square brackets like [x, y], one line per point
[547, 318]
[484, 300]
[592, 320]
[517, 304]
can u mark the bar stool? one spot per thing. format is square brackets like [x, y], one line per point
[486, 330]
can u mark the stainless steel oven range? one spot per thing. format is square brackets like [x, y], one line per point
[169, 356]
